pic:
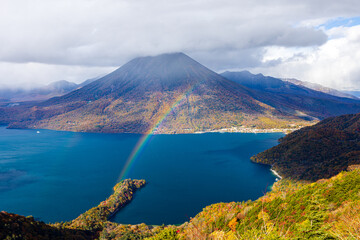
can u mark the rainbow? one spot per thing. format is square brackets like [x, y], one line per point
[140, 145]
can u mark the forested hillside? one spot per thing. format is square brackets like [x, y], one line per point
[319, 151]
[326, 209]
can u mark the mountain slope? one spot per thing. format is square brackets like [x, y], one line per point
[355, 93]
[135, 97]
[287, 97]
[167, 72]
[320, 88]
[319, 151]
[173, 93]
[13, 226]
[326, 209]
[57, 88]
[51, 90]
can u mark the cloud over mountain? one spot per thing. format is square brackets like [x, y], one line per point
[95, 35]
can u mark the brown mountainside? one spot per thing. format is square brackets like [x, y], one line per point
[134, 97]
[138, 95]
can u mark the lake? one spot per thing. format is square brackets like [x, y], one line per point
[55, 176]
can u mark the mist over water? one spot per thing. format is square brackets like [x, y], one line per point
[55, 176]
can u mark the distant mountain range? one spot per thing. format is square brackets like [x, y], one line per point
[320, 88]
[354, 93]
[54, 89]
[172, 93]
[295, 99]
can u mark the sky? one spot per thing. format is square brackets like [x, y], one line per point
[311, 40]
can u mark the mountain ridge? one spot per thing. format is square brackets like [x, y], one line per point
[319, 151]
[137, 95]
[320, 88]
[285, 95]
[43, 93]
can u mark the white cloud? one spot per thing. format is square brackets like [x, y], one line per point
[93, 35]
[334, 64]
[108, 32]
[30, 75]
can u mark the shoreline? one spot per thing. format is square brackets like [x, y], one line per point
[275, 173]
[251, 130]
[238, 130]
[222, 130]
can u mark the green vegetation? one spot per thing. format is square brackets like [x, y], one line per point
[16, 227]
[96, 218]
[169, 233]
[326, 209]
[127, 232]
[303, 211]
[319, 151]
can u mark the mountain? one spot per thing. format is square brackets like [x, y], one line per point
[51, 90]
[172, 93]
[54, 89]
[355, 93]
[61, 86]
[135, 97]
[258, 81]
[319, 151]
[320, 88]
[86, 82]
[57, 88]
[288, 97]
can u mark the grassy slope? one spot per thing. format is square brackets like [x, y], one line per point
[326, 209]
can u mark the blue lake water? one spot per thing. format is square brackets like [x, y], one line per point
[55, 176]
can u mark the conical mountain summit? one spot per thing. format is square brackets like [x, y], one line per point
[171, 91]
